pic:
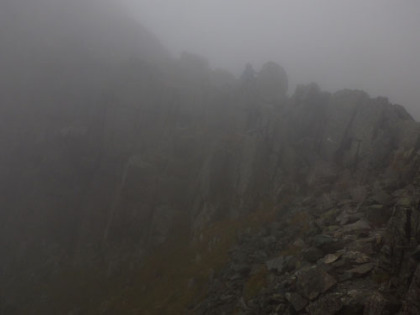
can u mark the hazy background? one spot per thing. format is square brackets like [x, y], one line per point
[371, 45]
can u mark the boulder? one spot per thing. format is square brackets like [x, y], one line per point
[357, 227]
[378, 215]
[362, 269]
[314, 281]
[377, 304]
[297, 301]
[326, 243]
[347, 218]
[276, 264]
[329, 304]
[355, 257]
[312, 254]
[412, 301]
[330, 258]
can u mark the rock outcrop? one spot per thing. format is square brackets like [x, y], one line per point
[272, 83]
[362, 271]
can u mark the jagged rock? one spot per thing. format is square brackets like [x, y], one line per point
[364, 245]
[312, 254]
[322, 240]
[281, 264]
[411, 305]
[326, 305]
[314, 281]
[416, 254]
[332, 229]
[378, 215]
[354, 301]
[381, 197]
[277, 298]
[242, 269]
[362, 269]
[355, 257]
[347, 218]
[377, 304]
[330, 258]
[326, 243]
[298, 302]
[359, 226]
[276, 264]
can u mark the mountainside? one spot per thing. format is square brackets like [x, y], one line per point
[136, 183]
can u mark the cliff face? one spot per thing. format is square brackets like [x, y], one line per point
[113, 164]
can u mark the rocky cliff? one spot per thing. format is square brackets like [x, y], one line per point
[136, 183]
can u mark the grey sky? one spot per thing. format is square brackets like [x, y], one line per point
[372, 45]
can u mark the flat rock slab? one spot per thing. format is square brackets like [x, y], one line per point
[330, 258]
[346, 218]
[362, 269]
[314, 281]
[356, 257]
[361, 225]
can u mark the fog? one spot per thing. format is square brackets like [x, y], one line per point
[137, 176]
[369, 45]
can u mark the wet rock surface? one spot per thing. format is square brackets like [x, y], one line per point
[360, 268]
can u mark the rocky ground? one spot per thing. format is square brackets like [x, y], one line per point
[333, 254]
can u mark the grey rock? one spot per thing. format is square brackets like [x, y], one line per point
[326, 305]
[346, 218]
[356, 257]
[314, 281]
[362, 269]
[381, 197]
[298, 302]
[276, 264]
[359, 226]
[354, 301]
[326, 243]
[411, 304]
[242, 269]
[378, 215]
[416, 254]
[312, 254]
[345, 276]
[322, 240]
[376, 304]
[331, 258]
[281, 264]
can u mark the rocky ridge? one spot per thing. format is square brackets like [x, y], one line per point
[166, 186]
[356, 255]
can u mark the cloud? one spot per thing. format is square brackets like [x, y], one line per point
[370, 45]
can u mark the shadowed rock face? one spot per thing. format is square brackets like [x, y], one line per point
[110, 147]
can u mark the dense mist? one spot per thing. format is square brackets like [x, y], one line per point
[372, 46]
[209, 157]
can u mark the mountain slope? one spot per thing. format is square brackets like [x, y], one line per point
[132, 182]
